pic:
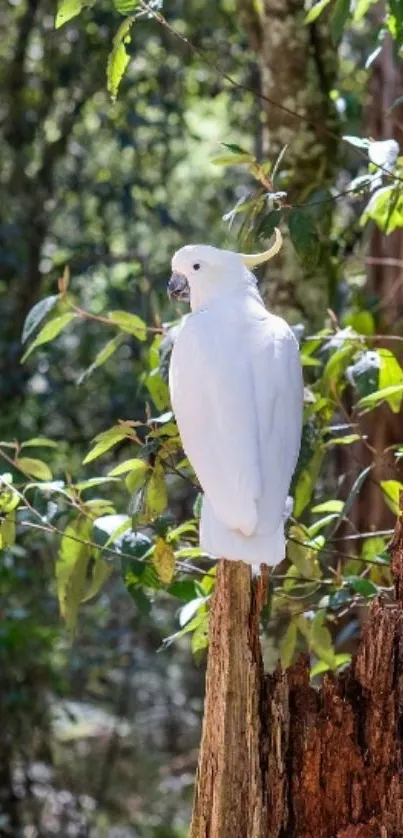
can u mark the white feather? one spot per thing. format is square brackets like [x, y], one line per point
[237, 393]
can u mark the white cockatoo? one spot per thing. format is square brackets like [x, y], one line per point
[237, 393]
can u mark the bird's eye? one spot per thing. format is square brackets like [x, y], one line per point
[196, 266]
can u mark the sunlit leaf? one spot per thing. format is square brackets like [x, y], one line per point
[156, 492]
[40, 442]
[106, 440]
[321, 641]
[379, 396]
[34, 468]
[131, 323]
[66, 10]
[103, 355]
[7, 531]
[329, 506]
[307, 481]
[391, 492]
[362, 586]
[158, 389]
[9, 499]
[391, 375]
[49, 332]
[360, 8]
[101, 572]
[348, 439]
[316, 10]
[125, 7]
[118, 58]
[71, 569]
[385, 207]
[164, 560]
[132, 465]
[37, 314]
[190, 609]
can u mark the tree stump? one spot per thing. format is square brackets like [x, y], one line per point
[282, 759]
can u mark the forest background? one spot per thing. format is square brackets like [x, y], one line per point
[127, 130]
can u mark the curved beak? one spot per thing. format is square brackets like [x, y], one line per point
[178, 288]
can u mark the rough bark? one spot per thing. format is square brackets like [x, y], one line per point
[282, 759]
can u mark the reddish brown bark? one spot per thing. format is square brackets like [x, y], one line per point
[281, 759]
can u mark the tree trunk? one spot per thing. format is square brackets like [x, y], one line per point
[282, 759]
[298, 69]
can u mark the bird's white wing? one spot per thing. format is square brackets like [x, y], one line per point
[212, 392]
[279, 396]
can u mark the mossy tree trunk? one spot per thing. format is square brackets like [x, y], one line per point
[298, 69]
[281, 759]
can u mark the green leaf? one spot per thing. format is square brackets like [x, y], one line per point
[348, 439]
[308, 361]
[339, 17]
[34, 468]
[164, 560]
[136, 479]
[49, 332]
[288, 644]
[101, 572]
[200, 636]
[385, 207]
[92, 482]
[231, 159]
[269, 222]
[391, 492]
[9, 500]
[379, 396]
[319, 668]
[355, 489]
[7, 531]
[236, 149]
[190, 609]
[71, 569]
[301, 554]
[329, 506]
[40, 442]
[307, 482]
[118, 58]
[316, 10]
[337, 364]
[125, 7]
[37, 314]
[107, 440]
[158, 389]
[364, 587]
[362, 322]
[66, 10]
[321, 641]
[360, 8]
[133, 465]
[319, 525]
[130, 323]
[390, 375]
[304, 237]
[156, 492]
[103, 355]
